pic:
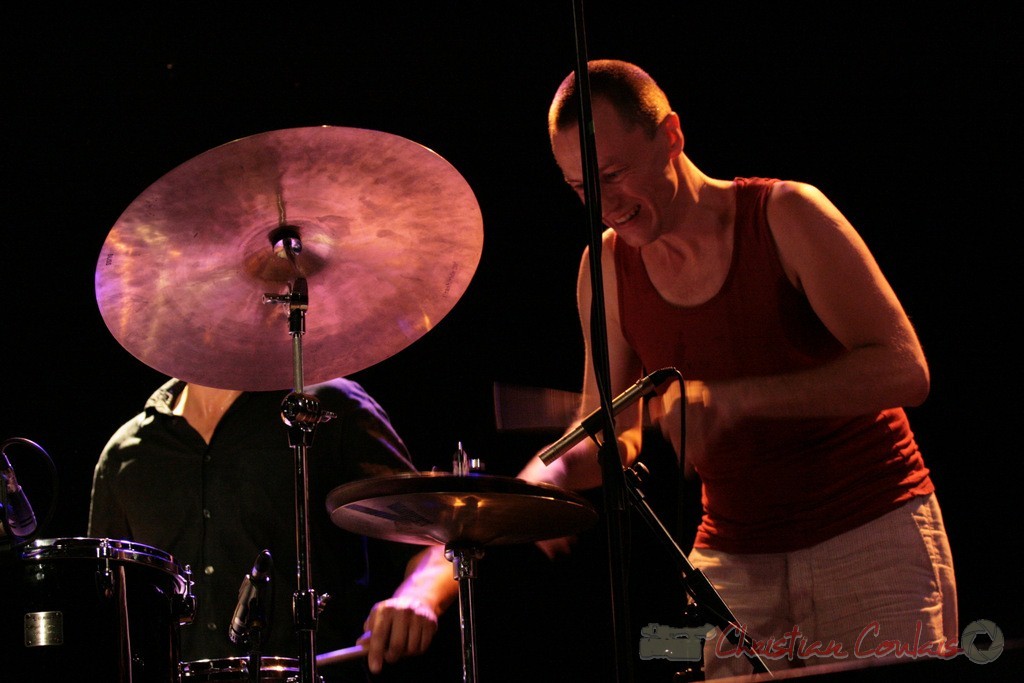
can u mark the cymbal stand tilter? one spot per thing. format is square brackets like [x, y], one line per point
[301, 412]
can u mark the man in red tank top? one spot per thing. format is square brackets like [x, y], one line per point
[820, 525]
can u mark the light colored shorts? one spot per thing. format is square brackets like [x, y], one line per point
[884, 589]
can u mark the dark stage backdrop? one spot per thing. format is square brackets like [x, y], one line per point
[905, 116]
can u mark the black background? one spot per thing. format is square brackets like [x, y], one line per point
[906, 117]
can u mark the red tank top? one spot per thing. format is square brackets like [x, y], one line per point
[772, 485]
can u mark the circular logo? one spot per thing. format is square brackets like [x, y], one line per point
[990, 653]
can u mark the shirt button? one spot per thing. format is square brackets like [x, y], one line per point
[211, 626]
[206, 513]
[208, 569]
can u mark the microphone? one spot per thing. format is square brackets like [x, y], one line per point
[20, 517]
[251, 595]
[592, 423]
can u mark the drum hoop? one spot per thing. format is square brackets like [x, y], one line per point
[80, 547]
[237, 665]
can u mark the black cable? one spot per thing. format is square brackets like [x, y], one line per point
[52, 508]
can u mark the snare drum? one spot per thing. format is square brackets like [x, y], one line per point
[237, 669]
[96, 609]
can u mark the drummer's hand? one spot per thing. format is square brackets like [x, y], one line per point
[556, 547]
[707, 416]
[397, 627]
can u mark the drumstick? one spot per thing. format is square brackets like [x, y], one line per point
[343, 655]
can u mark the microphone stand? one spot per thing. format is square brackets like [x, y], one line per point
[615, 480]
[707, 603]
[255, 653]
[301, 413]
[608, 452]
[706, 599]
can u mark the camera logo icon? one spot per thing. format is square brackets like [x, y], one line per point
[672, 643]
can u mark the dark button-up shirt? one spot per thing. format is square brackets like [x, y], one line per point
[214, 507]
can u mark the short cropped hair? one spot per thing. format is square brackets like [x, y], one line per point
[627, 87]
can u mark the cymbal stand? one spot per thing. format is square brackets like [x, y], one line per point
[301, 413]
[464, 563]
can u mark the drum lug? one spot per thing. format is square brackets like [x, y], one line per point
[105, 579]
[321, 602]
[186, 608]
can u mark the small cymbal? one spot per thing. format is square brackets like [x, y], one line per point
[475, 510]
[390, 236]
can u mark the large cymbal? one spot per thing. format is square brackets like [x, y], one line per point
[391, 235]
[473, 510]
